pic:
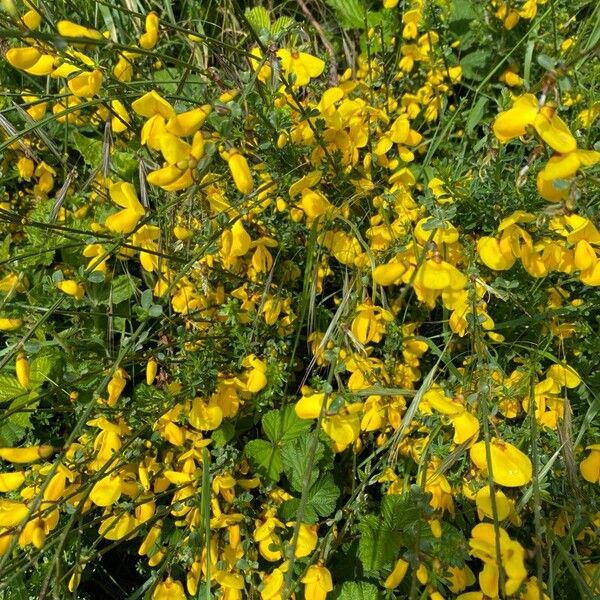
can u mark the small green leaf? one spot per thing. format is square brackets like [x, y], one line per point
[475, 64]
[284, 425]
[146, 299]
[476, 114]
[9, 388]
[122, 288]
[90, 149]
[281, 24]
[265, 458]
[351, 13]
[323, 495]
[358, 590]
[259, 18]
[378, 546]
[295, 458]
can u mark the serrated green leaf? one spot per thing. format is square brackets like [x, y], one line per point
[475, 64]
[122, 288]
[11, 434]
[259, 18]
[378, 546]
[9, 387]
[288, 511]
[281, 24]
[265, 458]
[89, 148]
[40, 368]
[351, 13]
[284, 425]
[323, 495]
[358, 590]
[401, 512]
[294, 455]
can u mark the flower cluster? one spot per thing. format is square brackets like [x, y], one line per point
[283, 326]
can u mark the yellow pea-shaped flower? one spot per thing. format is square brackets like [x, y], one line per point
[151, 368]
[26, 455]
[22, 369]
[510, 466]
[240, 171]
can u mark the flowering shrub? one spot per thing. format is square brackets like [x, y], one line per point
[300, 303]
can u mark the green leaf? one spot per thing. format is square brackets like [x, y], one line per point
[265, 459]
[288, 511]
[9, 387]
[259, 18]
[224, 434]
[294, 455]
[401, 512]
[476, 114]
[40, 368]
[122, 288]
[11, 434]
[321, 500]
[350, 13]
[476, 64]
[379, 545]
[90, 149]
[323, 495]
[281, 24]
[284, 425]
[358, 590]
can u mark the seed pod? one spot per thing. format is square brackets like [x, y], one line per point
[26, 455]
[151, 368]
[22, 367]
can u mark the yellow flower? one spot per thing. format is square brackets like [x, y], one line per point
[151, 368]
[8, 324]
[205, 415]
[483, 500]
[71, 288]
[86, 84]
[69, 29]
[22, 370]
[36, 109]
[26, 455]
[145, 239]
[240, 171]
[394, 579]
[125, 221]
[181, 159]
[510, 466]
[369, 324]
[344, 427]
[272, 585]
[256, 378]
[25, 167]
[30, 60]
[107, 490]
[564, 376]
[317, 583]
[590, 466]
[169, 589]
[303, 66]
[98, 257]
[512, 556]
[115, 386]
[309, 407]
[187, 123]
[526, 112]
[307, 539]
[149, 38]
